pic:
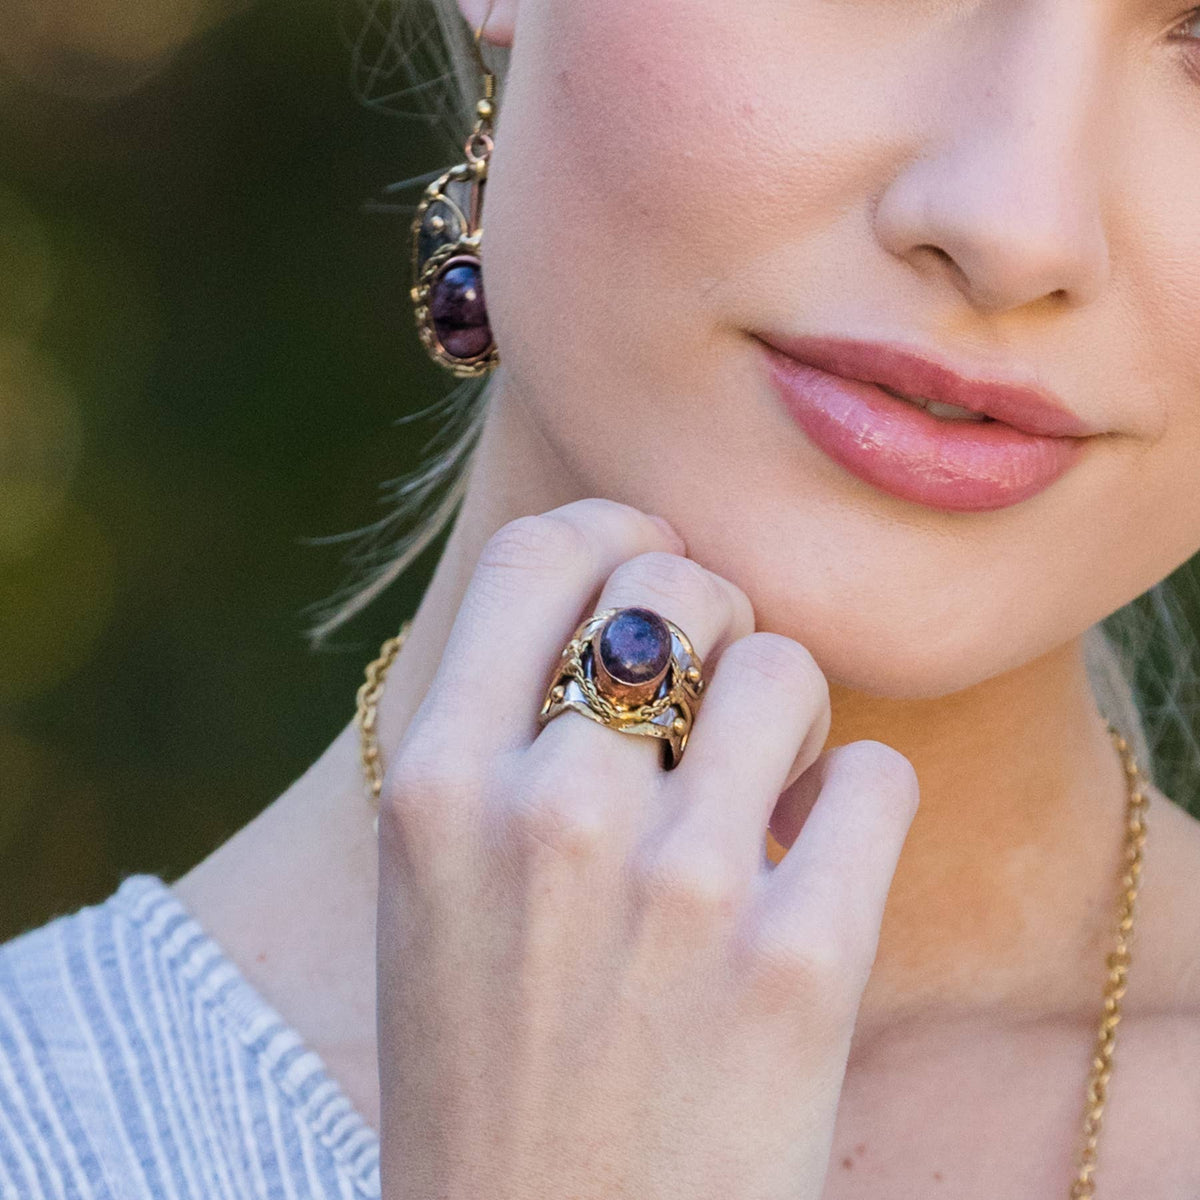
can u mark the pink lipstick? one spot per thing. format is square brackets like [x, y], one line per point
[839, 392]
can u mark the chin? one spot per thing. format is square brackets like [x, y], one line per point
[902, 671]
[885, 642]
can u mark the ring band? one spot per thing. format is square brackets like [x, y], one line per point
[632, 670]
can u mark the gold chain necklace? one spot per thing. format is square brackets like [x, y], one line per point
[1084, 1186]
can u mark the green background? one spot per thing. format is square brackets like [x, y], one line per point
[205, 340]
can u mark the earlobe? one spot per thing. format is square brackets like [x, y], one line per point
[501, 20]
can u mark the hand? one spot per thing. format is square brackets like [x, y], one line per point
[592, 982]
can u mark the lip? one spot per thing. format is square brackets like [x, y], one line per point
[831, 388]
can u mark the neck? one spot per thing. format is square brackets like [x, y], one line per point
[1000, 897]
[1004, 890]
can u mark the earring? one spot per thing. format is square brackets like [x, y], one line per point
[452, 318]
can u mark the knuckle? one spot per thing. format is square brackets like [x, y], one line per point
[881, 771]
[539, 542]
[567, 826]
[617, 516]
[423, 785]
[786, 970]
[594, 506]
[671, 577]
[687, 879]
[781, 661]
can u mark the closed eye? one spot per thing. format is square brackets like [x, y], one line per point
[1188, 31]
[1190, 21]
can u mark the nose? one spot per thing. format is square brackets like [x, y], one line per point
[1005, 197]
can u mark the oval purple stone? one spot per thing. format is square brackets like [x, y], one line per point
[635, 645]
[458, 310]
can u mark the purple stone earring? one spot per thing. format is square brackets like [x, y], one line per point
[452, 318]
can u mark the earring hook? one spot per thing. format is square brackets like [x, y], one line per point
[489, 76]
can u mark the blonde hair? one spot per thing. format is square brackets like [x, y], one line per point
[428, 43]
[1141, 660]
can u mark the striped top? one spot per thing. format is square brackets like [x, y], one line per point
[136, 1061]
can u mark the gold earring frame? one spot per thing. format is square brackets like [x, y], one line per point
[446, 231]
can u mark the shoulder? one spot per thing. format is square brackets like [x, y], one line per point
[136, 1061]
[83, 1035]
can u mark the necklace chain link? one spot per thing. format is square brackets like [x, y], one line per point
[369, 693]
[1118, 960]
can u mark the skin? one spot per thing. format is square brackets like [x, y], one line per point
[1012, 186]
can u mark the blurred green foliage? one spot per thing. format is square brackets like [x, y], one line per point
[205, 340]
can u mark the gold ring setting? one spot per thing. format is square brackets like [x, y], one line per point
[632, 670]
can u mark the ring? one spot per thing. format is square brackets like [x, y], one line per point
[632, 670]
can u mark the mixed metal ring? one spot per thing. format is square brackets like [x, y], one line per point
[632, 670]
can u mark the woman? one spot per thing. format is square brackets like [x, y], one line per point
[565, 966]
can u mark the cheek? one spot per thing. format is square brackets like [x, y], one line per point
[1155, 504]
[613, 107]
[646, 152]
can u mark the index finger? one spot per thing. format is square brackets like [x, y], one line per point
[530, 588]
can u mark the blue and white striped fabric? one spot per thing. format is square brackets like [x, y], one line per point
[136, 1061]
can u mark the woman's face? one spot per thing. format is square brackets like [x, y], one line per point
[1013, 188]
